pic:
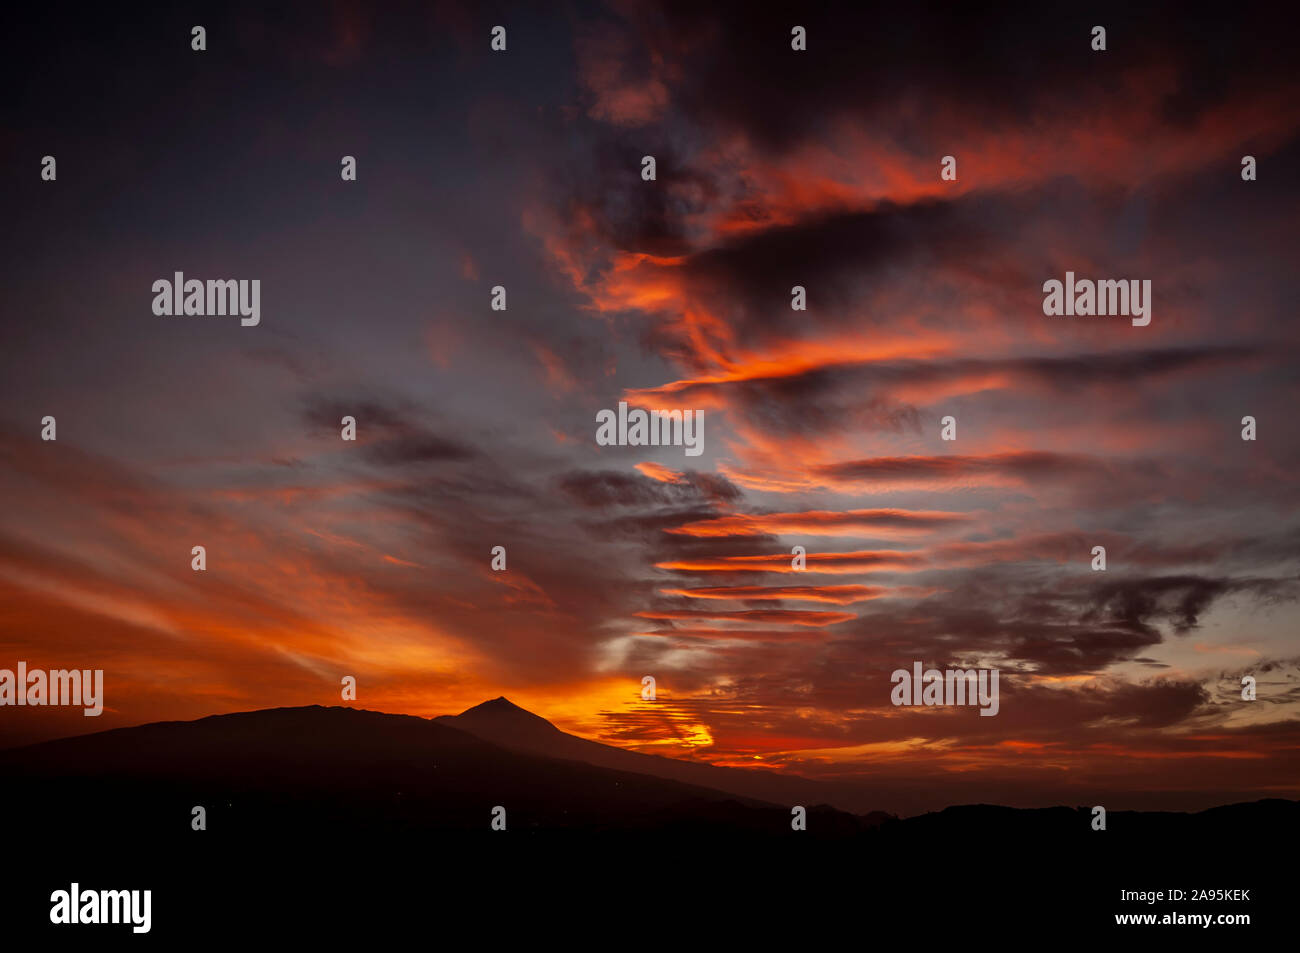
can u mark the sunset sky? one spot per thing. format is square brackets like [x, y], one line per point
[476, 428]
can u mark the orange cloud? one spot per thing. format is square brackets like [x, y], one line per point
[782, 616]
[828, 563]
[881, 522]
[657, 471]
[837, 595]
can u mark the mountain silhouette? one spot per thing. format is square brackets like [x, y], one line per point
[504, 723]
[501, 713]
[332, 813]
[287, 771]
[296, 769]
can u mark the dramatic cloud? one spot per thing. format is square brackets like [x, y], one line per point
[1096, 528]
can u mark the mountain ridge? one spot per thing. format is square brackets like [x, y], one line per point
[504, 723]
[311, 768]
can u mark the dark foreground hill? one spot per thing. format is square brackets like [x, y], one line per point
[322, 819]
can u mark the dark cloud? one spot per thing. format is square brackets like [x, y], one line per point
[737, 71]
[616, 488]
[1024, 466]
[1178, 601]
[388, 434]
